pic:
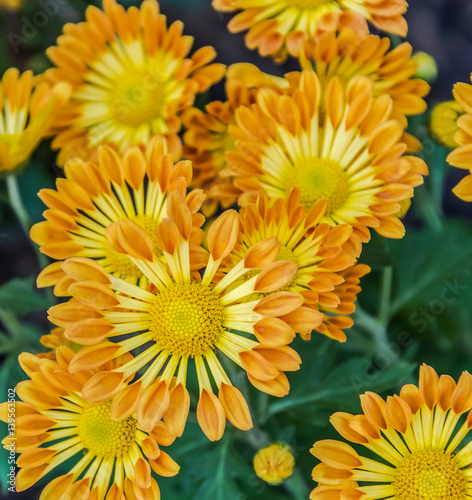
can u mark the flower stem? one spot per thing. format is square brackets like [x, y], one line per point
[21, 213]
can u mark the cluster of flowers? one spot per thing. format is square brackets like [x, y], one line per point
[162, 281]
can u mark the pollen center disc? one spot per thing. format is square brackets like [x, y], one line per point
[187, 319]
[430, 475]
[103, 436]
[138, 97]
[319, 178]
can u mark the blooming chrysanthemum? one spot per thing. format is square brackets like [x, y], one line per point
[276, 27]
[130, 76]
[347, 55]
[417, 437]
[443, 123]
[349, 153]
[207, 139]
[322, 254]
[26, 113]
[182, 316]
[94, 195]
[462, 156]
[54, 424]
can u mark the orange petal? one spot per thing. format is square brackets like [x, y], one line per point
[82, 269]
[374, 409]
[398, 413]
[179, 405]
[93, 356]
[142, 473]
[167, 236]
[235, 406]
[278, 304]
[223, 234]
[336, 454]
[125, 402]
[27, 477]
[284, 358]
[114, 493]
[152, 405]
[273, 332]
[95, 295]
[258, 366]
[134, 165]
[304, 319]
[151, 448]
[88, 331]
[102, 386]
[211, 416]
[462, 397]
[132, 238]
[446, 387]
[164, 466]
[428, 385]
[55, 489]
[262, 253]
[278, 387]
[275, 276]
[411, 394]
[179, 213]
[34, 458]
[340, 421]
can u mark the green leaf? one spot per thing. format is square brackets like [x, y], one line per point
[18, 297]
[428, 262]
[342, 386]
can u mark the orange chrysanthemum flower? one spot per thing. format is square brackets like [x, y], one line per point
[461, 157]
[417, 437]
[326, 278]
[207, 138]
[182, 316]
[349, 152]
[110, 458]
[347, 55]
[26, 113]
[94, 195]
[130, 75]
[276, 27]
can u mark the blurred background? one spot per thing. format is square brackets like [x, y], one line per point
[434, 257]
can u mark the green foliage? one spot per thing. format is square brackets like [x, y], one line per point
[18, 297]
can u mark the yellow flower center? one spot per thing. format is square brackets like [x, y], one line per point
[286, 253]
[121, 265]
[138, 97]
[187, 319]
[103, 436]
[430, 475]
[308, 4]
[319, 178]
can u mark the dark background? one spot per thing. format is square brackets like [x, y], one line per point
[442, 28]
